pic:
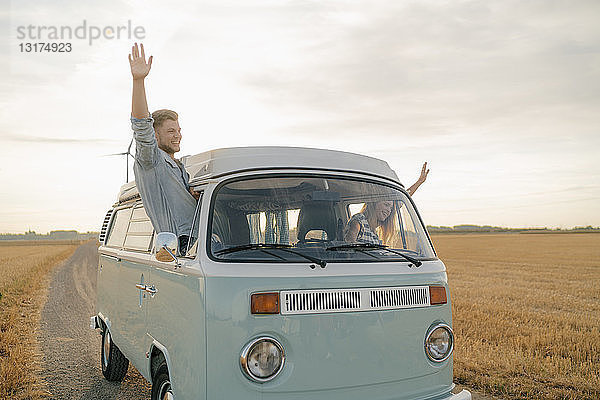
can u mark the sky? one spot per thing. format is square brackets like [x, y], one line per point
[501, 98]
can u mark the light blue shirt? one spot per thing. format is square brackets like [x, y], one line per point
[163, 183]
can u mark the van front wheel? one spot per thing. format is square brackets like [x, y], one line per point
[161, 384]
[114, 363]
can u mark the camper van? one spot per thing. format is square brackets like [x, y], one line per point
[284, 291]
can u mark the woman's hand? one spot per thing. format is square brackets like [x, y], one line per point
[424, 172]
[139, 67]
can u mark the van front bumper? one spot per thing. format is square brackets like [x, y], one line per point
[462, 395]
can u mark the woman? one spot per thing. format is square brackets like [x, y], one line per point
[378, 216]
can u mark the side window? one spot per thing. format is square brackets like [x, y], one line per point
[257, 222]
[355, 208]
[192, 249]
[408, 231]
[273, 226]
[140, 231]
[118, 229]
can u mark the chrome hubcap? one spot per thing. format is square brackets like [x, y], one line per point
[106, 345]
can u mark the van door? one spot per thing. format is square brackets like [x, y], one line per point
[135, 271]
[176, 317]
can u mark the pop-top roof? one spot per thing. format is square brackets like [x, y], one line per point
[215, 163]
[221, 162]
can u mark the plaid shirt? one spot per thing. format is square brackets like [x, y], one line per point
[366, 234]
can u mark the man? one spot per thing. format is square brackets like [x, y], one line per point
[161, 179]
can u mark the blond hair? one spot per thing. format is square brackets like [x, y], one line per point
[386, 229]
[161, 116]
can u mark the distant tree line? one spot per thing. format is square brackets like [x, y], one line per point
[52, 235]
[488, 228]
[74, 235]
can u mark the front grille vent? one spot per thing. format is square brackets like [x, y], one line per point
[104, 228]
[301, 302]
[347, 300]
[405, 297]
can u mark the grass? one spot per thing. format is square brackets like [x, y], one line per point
[24, 278]
[526, 313]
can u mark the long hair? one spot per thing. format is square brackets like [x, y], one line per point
[384, 229]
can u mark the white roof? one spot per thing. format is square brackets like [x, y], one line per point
[221, 162]
[215, 163]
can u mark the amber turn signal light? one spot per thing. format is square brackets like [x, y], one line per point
[437, 295]
[264, 303]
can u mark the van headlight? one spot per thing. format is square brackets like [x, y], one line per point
[262, 359]
[439, 342]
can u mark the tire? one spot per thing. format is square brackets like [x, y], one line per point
[161, 384]
[114, 363]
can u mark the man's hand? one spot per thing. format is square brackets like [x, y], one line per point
[139, 67]
[139, 70]
[195, 194]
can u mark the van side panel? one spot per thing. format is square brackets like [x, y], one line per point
[176, 321]
[107, 302]
[133, 306]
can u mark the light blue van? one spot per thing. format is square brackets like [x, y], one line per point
[275, 298]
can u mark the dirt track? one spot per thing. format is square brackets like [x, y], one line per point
[71, 350]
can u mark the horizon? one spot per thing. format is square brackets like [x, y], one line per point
[588, 227]
[501, 99]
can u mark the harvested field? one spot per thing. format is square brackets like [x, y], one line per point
[526, 313]
[24, 277]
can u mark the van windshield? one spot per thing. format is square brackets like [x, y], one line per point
[299, 218]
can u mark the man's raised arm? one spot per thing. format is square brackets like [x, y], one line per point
[139, 70]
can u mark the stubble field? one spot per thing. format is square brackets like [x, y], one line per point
[526, 313]
[24, 273]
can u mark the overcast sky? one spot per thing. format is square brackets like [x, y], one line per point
[501, 98]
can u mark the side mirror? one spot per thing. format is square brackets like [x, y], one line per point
[166, 246]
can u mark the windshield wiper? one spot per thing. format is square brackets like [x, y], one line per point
[269, 246]
[373, 246]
